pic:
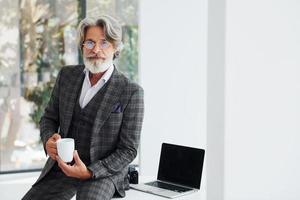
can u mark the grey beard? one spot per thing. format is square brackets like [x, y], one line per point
[98, 65]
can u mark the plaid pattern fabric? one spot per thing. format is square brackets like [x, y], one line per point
[116, 129]
[57, 186]
[82, 124]
[89, 190]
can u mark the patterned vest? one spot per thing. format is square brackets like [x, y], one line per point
[82, 124]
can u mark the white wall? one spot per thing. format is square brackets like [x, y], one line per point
[251, 85]
[262, 151]
[215, 99]
[173, 75]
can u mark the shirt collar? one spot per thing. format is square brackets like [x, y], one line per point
[106, 76]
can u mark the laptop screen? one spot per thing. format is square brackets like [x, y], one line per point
[181, 165]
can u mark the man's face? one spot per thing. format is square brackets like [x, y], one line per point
[97, 51]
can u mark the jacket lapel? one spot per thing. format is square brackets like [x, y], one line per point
[72, 97]
[111, 97]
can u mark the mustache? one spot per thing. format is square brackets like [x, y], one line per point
[95, 56]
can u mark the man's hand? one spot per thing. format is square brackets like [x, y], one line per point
[51, 145]
[77, 170]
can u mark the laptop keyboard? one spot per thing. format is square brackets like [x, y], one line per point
[168, 186]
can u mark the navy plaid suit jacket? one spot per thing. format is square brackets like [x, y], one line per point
[117, 126]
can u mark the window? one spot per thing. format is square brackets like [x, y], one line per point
[37, 38]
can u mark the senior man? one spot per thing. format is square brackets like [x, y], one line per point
[102, 110]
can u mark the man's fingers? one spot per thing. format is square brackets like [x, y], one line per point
[53, 156]
[51, 147]
[51, 144]
[52, 151]
[56, 136]
[64, 167]
[52, 140]
[61, 165]
[60, 162]
[76, 157]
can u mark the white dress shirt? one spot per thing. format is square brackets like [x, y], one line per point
[88, 91]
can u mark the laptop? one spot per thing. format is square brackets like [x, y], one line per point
[179, 172]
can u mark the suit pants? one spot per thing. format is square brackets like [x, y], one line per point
[57, 186]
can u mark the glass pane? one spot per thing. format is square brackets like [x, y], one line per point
[37, 38]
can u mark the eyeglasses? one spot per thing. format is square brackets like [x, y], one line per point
[89, 44]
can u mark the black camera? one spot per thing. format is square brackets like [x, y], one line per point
[133, 174]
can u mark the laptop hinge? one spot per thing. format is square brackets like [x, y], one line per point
[177, 184]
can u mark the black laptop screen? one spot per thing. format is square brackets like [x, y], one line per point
[181, 165]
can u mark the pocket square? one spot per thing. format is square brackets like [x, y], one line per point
[117, 108]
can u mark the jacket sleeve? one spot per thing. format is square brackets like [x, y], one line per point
[49, 122]
[128, 143]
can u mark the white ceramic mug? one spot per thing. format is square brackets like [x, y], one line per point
[65, 149]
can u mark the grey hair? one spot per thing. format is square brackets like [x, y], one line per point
[111, 27]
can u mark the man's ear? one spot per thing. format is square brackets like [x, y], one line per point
[116, 54]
